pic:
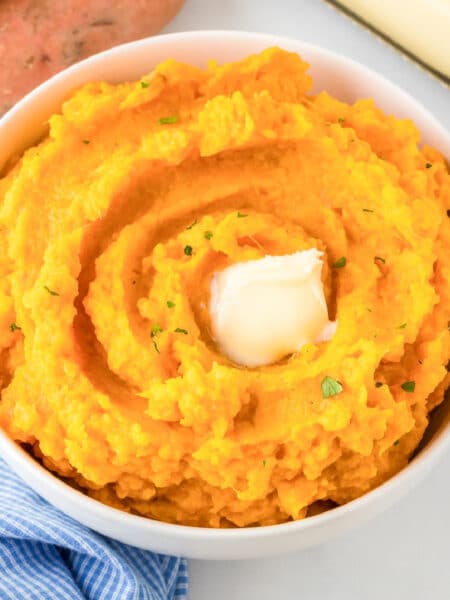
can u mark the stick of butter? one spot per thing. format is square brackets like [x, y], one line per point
[421, 27]
[263, 310]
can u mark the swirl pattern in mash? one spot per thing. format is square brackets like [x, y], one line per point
[112, 228]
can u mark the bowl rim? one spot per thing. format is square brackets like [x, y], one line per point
[21, 461]
[416, 469]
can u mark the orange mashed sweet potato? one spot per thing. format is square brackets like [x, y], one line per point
[111, 229]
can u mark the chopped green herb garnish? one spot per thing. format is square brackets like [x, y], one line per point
[144, 84]
[188, 250]
[264, 462]
[156, 328]
[378, 384]
[168, 120]
[402, 326]
[330, 387]
[397, 442]
[86, 142]
[369, 310]
[380, 258]
[241, 215]
[192, 224]
[180, 330]
[341, 262]
[51, 292]
[155, 346]
[368, 210]
[428, 166]
[170, 304]
[409, 386]
[208, 235]
[341, 120]
[14, 327]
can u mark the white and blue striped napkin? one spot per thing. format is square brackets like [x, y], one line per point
[46, 555]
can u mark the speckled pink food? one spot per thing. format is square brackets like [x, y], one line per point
[38, 38]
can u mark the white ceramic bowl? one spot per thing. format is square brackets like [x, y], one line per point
[344, 79]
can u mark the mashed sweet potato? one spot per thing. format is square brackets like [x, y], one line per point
[111, 229]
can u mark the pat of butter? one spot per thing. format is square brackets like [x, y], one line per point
[262, 310]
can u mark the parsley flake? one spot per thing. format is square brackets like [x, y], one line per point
[380, 258]
[264, 462]
[14, 327]
[428, 166]
[397, 442]
[330, 387]
[208, 235]
[409, 386]
[156, 328]
[155, 346]
[180, 330]
[168, 120]
[86, 142]
[192, 224]
[368, 210]
[51, 292]
[170, 304]
[378, 384]
[402, 326]
[188, 250]
[144, 84]
[341, 120]
[341, 262]
[241, 215]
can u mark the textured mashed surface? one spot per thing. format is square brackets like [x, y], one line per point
[111, 229]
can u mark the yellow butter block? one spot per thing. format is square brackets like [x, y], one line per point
[422, 27]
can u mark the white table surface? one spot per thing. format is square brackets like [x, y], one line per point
[402, 554]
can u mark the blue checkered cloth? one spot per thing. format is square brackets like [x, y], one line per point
[45, 555]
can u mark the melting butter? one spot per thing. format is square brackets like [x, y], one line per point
[263, 310]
